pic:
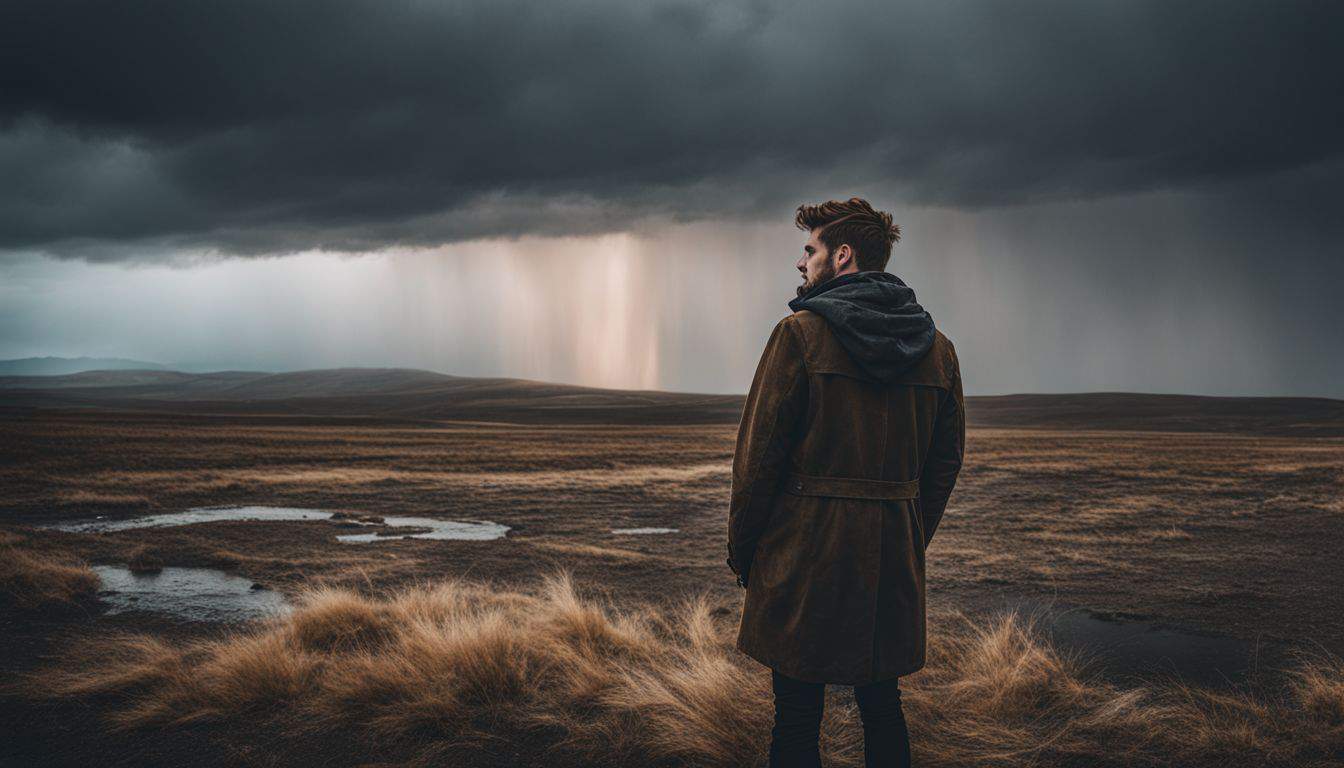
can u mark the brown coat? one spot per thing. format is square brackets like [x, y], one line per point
[835, 581]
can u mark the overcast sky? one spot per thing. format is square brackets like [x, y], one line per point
[1095, 195]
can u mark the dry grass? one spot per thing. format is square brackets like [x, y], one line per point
[31, 580]
[423, 671]
[429, 669]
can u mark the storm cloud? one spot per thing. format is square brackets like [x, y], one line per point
[258, 127]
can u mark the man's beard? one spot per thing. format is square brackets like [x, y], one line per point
[826, 272]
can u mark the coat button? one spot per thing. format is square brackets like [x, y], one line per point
[797, 485]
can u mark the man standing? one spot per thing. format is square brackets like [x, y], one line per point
[849, 446]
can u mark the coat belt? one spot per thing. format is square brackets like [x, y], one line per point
[851, 487]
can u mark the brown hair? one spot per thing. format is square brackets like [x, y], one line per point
[868, 232]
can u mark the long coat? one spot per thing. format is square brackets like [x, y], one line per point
[838, 484]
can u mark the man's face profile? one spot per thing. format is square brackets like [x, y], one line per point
[815, 264]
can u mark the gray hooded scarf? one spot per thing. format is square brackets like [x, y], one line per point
[875, 317]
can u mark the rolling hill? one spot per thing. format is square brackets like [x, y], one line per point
[418, 395]
[56, 366]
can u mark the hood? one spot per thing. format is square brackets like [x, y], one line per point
[875, 317]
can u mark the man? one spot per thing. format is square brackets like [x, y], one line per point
[850, 443]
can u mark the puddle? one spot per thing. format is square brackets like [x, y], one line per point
[437, 529]
[1124, 648]
[197, 594]
[644, 530]
[194, 515]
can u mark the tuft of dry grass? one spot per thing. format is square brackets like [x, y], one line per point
[88, 501]
[31, 580]
[418, 673]
[589, 550]
[144, 560]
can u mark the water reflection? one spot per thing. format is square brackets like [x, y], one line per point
[480, 530]
[196, 594]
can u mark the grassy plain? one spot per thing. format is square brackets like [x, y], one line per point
[564, 643]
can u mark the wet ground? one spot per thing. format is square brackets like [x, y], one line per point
[1124, 647]
[1132, 649]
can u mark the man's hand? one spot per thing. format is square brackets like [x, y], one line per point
[741, 578]
[741, 572]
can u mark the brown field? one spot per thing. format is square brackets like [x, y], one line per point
[563, 643]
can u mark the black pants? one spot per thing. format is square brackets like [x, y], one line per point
[798, 707]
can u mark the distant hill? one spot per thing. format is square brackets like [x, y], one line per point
[398, 393]
[58, 366]
[407, 394]
[1301, 416]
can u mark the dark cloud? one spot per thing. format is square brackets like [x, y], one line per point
[258, 126]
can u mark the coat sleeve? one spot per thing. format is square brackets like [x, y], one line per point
[943, 462]
[769, 429]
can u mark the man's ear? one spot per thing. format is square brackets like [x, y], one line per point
[843, 256]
